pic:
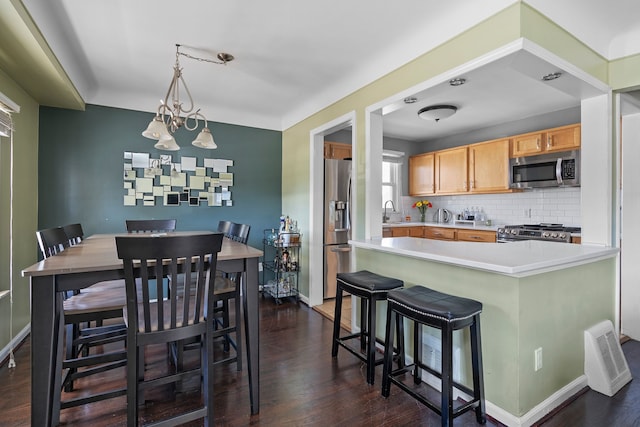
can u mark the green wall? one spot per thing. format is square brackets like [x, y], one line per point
[549, 310]
[25, 211]
[81, 172]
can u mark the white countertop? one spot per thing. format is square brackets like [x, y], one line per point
[518, 259]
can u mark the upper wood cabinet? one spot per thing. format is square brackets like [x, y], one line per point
[527, 144]
[451, 167]
[483, 167]
[421, 174]
[337, 150]
[489, 166]
[562, 138]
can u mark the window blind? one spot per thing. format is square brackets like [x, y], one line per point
[6, 125]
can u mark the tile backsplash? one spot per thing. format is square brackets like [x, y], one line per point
[553, 205]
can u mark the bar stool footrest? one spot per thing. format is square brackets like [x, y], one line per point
[467, 406]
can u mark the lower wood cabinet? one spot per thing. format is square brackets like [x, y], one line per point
[407, 231]
[467, 235]
[440, 233]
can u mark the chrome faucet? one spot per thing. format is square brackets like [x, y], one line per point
[385, 218]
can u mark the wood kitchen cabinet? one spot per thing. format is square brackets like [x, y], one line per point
[451, 168]
[527, 144]
[466, 235]
[337, 150]
[562, 138]
[440, 233]
[421, 174]
[489, 166]
[406, 231]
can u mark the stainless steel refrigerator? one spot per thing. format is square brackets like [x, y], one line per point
[337, 222]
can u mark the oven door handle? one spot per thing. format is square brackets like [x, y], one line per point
[559, 171]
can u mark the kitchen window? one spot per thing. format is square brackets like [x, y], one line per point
[391, 177]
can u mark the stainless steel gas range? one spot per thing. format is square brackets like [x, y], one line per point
[545, 231]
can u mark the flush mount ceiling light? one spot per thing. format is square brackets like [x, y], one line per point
[437, 112]
[457, 82]
[172, 114]
[551, 76]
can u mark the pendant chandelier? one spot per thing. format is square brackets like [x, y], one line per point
[172, 114]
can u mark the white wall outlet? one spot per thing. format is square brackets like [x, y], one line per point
[259, 266]
[537, 354]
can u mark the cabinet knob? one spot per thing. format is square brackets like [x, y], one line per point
[538, 143]
[549, 141]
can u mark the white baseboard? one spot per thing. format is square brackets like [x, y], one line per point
[507, 418]
[304, 299]
[4, 353]
[552, 402]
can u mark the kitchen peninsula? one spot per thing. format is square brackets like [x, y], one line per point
[535, 295]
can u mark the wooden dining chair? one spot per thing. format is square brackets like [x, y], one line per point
[190, 262]
[74, 233]
[150, 225]
[52, 241]
[228, 287]
[224, 227]
[104, 301]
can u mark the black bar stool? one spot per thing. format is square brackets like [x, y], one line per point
[448, 313]
[370, 288]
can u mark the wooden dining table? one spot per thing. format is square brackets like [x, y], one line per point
[94, 260]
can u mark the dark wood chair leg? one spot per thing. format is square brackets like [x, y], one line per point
[417, 352]
[336, 322]
[478, 377]
[388, 353]
[371, 342]
[363, 325]
[447, 380]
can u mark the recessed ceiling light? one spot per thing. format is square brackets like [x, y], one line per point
[551, 76]
[437, 112]
[457, 82]
[410, 99]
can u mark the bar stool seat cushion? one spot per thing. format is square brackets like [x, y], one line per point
[369, 281]
[425, 303]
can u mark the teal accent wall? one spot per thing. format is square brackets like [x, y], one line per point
[81, 172]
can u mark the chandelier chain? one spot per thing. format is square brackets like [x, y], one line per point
[203, 59]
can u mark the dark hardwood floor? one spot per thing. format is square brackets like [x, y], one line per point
[301, 385]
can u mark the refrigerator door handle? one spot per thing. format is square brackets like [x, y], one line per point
[341, 249]
[348, 207]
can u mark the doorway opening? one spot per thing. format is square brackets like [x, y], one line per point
[316, 251]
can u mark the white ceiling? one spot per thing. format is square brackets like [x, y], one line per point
[295, 57]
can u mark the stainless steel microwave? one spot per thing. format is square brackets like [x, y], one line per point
[545, 170]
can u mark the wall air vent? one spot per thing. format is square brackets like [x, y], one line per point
[604, 363]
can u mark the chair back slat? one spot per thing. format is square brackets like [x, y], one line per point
[181, 258]
[150, 225]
